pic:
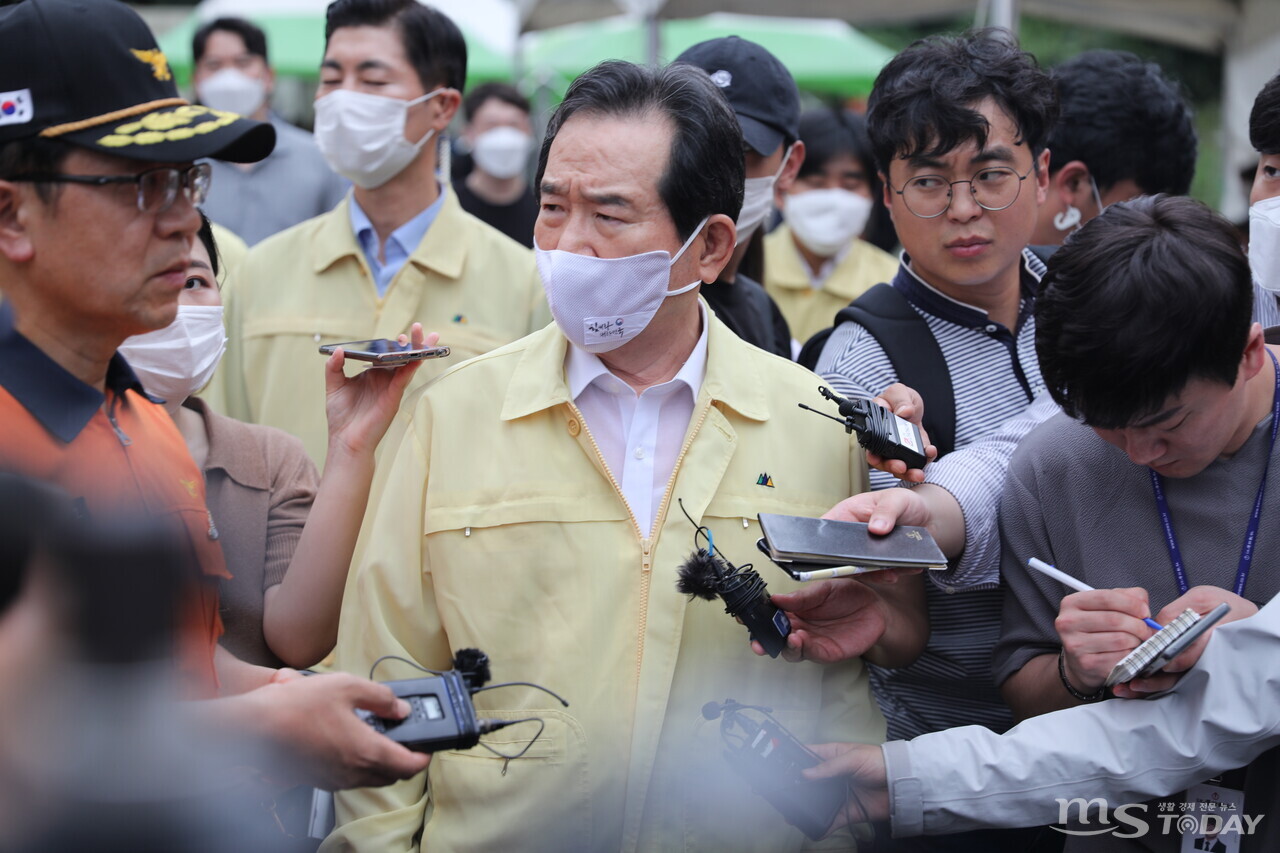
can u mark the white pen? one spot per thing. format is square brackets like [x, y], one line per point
[1076, 584]
[837, 572]
[850, 571]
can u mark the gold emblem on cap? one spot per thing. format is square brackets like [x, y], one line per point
[168, 126]
[154, 58]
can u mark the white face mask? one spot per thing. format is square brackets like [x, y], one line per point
[757, 201]
[175, 362]
[1264, 243]
[601, 303]
[362, 136]
[502, 152]
[233, 91]
[825, 221]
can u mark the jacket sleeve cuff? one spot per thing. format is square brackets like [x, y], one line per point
[906, 793]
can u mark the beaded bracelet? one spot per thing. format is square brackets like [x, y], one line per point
[1083, 697]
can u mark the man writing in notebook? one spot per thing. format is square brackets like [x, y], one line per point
[1153, 485]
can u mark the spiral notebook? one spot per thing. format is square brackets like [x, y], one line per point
[1165, 645]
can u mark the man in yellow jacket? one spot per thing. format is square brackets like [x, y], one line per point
[398, 249]
[533, 506]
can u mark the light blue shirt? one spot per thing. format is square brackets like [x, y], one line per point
[400, 244]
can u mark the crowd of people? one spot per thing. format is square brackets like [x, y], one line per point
[214, 544]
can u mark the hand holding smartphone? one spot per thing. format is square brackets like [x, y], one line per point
[384, 352]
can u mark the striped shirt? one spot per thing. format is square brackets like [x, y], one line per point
[995, 375]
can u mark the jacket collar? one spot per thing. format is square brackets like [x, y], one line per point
[790, 270]
[732, 377]
[58, 400]
[442, 250]
[227, 450]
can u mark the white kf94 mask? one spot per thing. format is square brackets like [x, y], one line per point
[601, 303]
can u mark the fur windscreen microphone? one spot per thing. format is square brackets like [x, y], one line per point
[745, 596]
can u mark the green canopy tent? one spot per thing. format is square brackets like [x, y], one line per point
[826, 56]
[295, 43]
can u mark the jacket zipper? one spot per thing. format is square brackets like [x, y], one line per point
[646, 544]
[125, 441]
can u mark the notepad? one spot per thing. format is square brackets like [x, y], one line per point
[797, 542]
[1165, 645]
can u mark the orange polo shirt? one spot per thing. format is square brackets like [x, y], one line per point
[112, 453]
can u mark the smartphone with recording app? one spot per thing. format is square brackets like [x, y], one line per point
[385, 352]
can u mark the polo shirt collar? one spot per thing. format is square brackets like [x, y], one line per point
[59, 400]
[227, 449]
[443, 248]
[937, 304]
[731, 378]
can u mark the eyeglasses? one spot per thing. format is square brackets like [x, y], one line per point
[157, 188]
[928, 196]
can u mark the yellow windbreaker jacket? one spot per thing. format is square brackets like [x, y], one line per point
[495, 524]
[310, 285]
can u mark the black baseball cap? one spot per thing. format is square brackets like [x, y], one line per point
[760, 89]
[89, 72]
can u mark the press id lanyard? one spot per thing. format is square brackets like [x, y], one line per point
[1251, 534]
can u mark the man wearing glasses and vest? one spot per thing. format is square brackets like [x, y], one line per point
[958, 128]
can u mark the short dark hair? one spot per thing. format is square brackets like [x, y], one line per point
[432, 41]
[1123, 118]
[829, 133]
[255, 40]
[33, 155]
[1145, 297]
[706, 166]
[923, 101]
[205, 235]
[1264, 119]
[486, 92]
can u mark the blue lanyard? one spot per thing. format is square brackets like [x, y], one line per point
[1251, 534]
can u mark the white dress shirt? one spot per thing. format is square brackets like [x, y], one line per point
[639, 435]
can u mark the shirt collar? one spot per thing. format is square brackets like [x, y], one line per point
[407, 236]
[443, 249]
[938, 304]
[817, 282]
[57, 399]
[731, 376]
[582, 368]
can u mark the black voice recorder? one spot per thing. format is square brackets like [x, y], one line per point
[879, 430]
[762, 751]
[441, 714]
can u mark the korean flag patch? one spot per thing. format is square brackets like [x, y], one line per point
[15, 107]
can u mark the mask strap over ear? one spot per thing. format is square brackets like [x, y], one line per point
[687, 243]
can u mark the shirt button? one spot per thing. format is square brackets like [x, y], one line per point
[992, 328]
[317, 336]
[574, 427]
[639, 452]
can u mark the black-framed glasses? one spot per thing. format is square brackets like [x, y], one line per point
[157, 188]
[995, 188]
